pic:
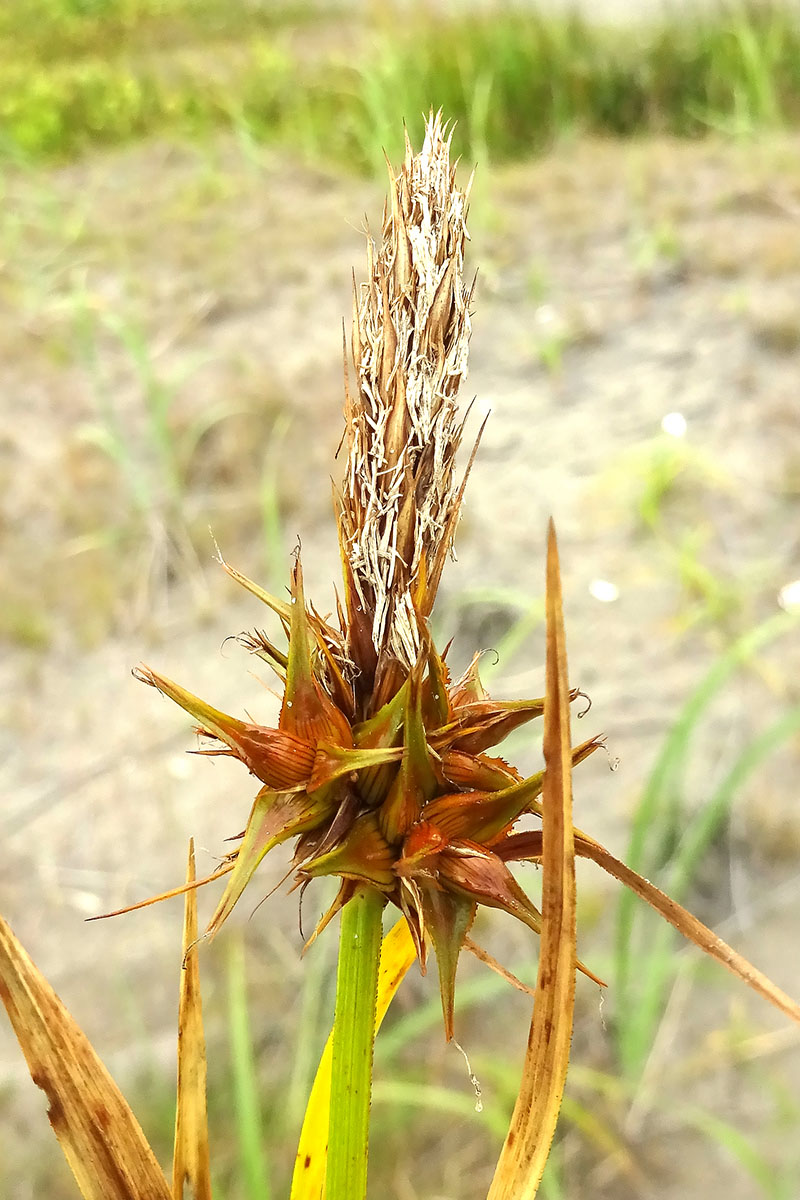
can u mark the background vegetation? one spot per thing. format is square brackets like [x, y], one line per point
[82, 74]
[177, 181]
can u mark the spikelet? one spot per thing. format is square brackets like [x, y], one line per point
[410, 343]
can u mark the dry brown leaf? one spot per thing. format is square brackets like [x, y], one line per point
[533, 1123]
[190, 1163]
[101, 1139]
[689, 926]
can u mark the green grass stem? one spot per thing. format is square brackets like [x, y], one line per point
[253, 1163]
[656, 962]
[353, 1040]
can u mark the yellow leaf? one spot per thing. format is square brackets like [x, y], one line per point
[190, 1163]
[308, 1181]
[530, 1135]
[101, 1139]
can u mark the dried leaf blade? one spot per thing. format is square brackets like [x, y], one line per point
[528, 1141]
[190, 1163]
[99, 1135]
[692, 929]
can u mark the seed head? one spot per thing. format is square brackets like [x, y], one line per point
[378, 769]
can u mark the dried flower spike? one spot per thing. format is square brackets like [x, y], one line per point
[411, 329]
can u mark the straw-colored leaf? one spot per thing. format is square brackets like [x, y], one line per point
[101, 1139]
[397, 955]
[528, 846]
[533, 1123]
[190, 1163]
[170, 895]
[690, 927]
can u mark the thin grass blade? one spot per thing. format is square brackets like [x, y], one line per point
[656, 962]
[190, 1162]
[650, 821]
[252, 1159]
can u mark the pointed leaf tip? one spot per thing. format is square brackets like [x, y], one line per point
[274, 818]
[522, 1160]
[190, 1163]
[449, 919]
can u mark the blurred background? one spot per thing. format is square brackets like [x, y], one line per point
[185, 185]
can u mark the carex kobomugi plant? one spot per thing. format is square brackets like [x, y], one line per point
[379, 769]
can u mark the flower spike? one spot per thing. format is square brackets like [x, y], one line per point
[381, 769]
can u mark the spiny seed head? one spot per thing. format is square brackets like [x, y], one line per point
[377, 768]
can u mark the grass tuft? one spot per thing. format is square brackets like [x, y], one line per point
[105, 71]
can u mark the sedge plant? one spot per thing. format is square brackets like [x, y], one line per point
[379, 771]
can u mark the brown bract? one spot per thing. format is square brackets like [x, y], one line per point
[101, 1139]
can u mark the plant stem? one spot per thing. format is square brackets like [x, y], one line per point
[353, 1038]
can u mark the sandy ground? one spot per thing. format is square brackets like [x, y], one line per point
[617, 284]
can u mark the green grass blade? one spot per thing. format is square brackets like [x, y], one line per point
[741, 1149]
[655, 964]
[252, 1158]
[311, 1030]
[651, 822]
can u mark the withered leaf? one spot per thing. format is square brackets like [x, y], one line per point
[190, 1162]
[101, 1139]
[527, 1145]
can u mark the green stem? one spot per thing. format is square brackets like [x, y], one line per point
[353, 1038]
